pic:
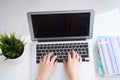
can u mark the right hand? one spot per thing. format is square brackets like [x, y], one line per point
[72, 66]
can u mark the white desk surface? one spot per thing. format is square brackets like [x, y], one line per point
[106, 24]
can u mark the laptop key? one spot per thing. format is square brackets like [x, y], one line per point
[39, 54]
[84, 56]
[87, 60]
[59, 60]
[37, 61]
[83, 59]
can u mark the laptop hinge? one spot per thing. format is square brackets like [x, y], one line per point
[61, 40]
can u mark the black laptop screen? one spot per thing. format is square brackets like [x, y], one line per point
[60, 25]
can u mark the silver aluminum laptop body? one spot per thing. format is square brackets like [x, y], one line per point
[87, 71]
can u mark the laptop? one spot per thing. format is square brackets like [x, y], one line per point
[60, 32]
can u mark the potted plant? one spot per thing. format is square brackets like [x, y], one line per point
[11, 47]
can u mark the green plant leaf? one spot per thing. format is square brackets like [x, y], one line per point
[1, 54]
[11, 46]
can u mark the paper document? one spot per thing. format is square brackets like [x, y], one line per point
[109, 50]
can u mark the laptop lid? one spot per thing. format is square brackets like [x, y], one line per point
[61, 25]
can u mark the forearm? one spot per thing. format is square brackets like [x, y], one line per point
[75, 78]
[42, 78]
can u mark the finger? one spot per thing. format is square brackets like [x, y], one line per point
[69, 56]
[54, 66]
[53, 59]
[44, 58]
[65, 64]
[40, 60]
[78, 57]
[49, 56]
[76, 54]
[73, 54]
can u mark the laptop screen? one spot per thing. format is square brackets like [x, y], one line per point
[48, 25]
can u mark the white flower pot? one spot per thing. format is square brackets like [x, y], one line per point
[17, 60]
[12, 61]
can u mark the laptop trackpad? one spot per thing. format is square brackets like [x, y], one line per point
[59, 73]
[86, 72]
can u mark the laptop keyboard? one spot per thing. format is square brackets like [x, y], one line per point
[62, 49]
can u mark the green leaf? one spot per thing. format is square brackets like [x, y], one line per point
[1, 54]
[11, 46]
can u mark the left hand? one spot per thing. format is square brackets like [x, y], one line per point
[47, 67]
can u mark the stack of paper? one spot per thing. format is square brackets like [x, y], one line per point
[100, 67]
[109, 55]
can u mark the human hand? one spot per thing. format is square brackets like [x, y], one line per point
[47, 66]
[72, 66]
